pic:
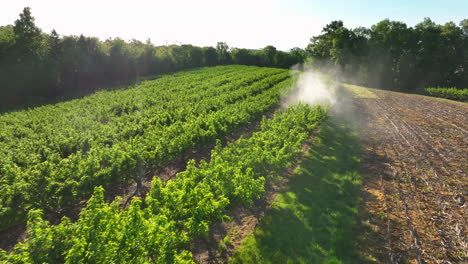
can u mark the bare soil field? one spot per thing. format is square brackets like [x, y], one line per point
[415, 191]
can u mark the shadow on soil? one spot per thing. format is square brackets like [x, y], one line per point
[316, 219]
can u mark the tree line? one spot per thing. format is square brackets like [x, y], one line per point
[391, 55]
[36, 66]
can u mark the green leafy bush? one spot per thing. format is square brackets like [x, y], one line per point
[449, 93]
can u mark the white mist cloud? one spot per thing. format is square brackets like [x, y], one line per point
[312, 88]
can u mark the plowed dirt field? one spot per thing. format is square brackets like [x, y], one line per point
[415, 192]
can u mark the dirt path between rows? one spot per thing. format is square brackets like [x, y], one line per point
[414, 195]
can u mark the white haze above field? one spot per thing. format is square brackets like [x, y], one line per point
[312, 88]
[316, 88]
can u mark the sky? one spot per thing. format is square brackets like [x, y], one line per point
[240, 23]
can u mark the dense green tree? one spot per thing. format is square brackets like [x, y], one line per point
[222, 51]
[7, 40]
[464, 26]
[28, 37]
[196, 56]
[187, 56]
[24, 71]
[268, 56]
[244, 56]
[335, 45]
[53, 62]
[390, 42]
[146, 59]
[464, 70]
[391, 55]
[210, 56]
[298, 54]
[120, 61]
[453, 59]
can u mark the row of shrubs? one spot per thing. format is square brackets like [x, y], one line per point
[449, 93]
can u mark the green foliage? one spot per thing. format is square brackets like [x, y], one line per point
[449, 93]
[177, 211]
[244, 56]
[222, 50]
[210, 56]
[52, 67]
[391, 55]
[7, 39]
[464, 26]
[269, 55]
[54, 155]
[28, 36]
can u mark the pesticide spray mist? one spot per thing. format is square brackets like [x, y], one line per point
[316, 88]
[312, 88]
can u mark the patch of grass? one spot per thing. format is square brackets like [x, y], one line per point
[224, 243]
[381, 215]
[359, 91]
[316, 219]
[227, 241]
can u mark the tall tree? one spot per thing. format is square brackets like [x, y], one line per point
[210, 56]
[389, 41]
[243, 56]
[335, 44]
[7, 40]
[269, 56]
[28, 36]
[464, 27]
[28, 51]
[53, 62]
[119, 60]
[222, 50]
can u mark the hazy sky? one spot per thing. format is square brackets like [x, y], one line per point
[240, 23]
